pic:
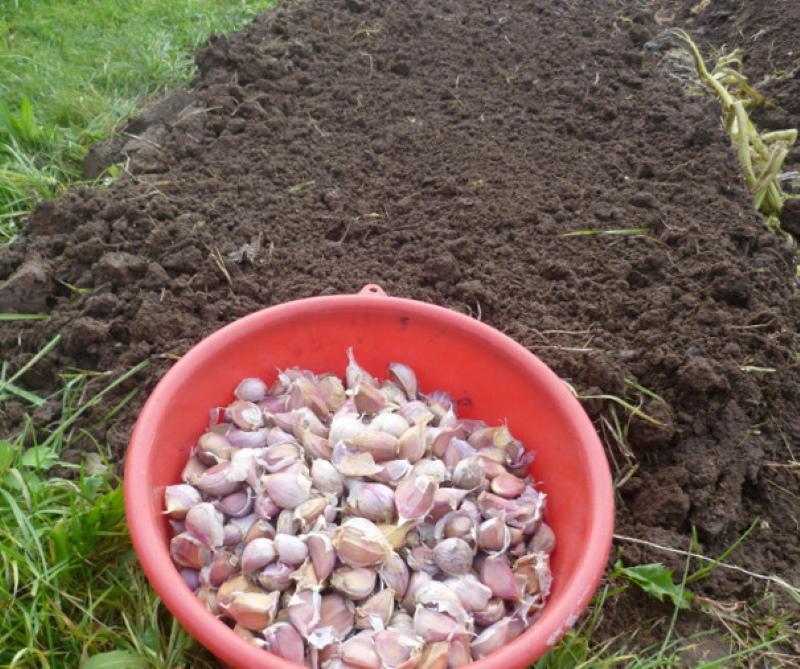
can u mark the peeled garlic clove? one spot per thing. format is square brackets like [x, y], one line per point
[491, 613]
[434, 626]
[359, 652]
[417, 581]
[543, 540]
[390, 423]
[213, 448]
[283, 640]
[493, 535]
[251, 389]
[508, 486]
[414, 498]
[206, 523]
[453, 556]
[457, 450]
[496, 573]
[179, 499]
[376, 612]
[276, 576]
[491, 639]
[304, 611]
[217, 481]
[412, 444]
[355, 374]
[323, 556]
[359, 543]
[288, 490]
[245, 415]
[405, 378]
[222, 567]
[290, 549]
[380, 445]
[253, 610]
[188, 551]
[357, 583]
[393, 471]
[353, 464]
[326, 478]
[374, 501]
[473, 595]
[396, 648]
[460, 653]
[394, 574]
[258, 554]
[237, 504]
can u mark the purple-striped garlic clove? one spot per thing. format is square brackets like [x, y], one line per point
[492, 505]
[359, 652]
[304, 394]
[291, 550]
[453, 556]
[245, 415]
[508, 486]
[496, 573]
[253, 610]
[420, 558]
[323, 556]
[417, 581]
[360, 543]
[258, 554]
[356, 583]
[283, 640]
[543, 540]
[276, 576]
[223, 566]
[326, 478]
[491, 639]
[373, 501]
[382, 446]
[413, 444]
[414, 498]
[316, 447]
[397, 649]
[273, 404]
[394, 574]
[336, 619]
[416, 412]
[446, 500]
[454, 524]
[179, 499]
[304, 611]
[394, 394]
[278, 457]
[457, 450]
[288, 489]
[491, 613]
[376, 611]
[389, 422]
[191, 577]
[436, 596]
[218, 481]
[244, 439]
[276, 436]
[237, 504]
[206, 523]
[439, 402]
[473, 595]
[251, 389]
[213, 448]
[405, 377]
[434, 626]
[494, 535]
[393, 471]
[232, 535]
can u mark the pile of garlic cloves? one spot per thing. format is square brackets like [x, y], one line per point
[361, 524]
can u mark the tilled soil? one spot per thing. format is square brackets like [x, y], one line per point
[445, 150]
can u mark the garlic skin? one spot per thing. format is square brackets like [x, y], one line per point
[361, 524]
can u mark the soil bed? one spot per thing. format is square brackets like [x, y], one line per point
[444, 149]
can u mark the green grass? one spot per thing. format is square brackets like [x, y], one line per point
[71, 70]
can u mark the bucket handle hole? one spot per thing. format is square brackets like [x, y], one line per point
[372, 289]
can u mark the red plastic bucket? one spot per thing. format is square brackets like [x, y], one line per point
[491, 376]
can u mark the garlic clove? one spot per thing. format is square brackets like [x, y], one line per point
[251, 389]
[368, 398]
[237, 504]
[283, 640]
[287, 523]
[309, 511]
[376, 611]
[436, 596]
[332, 391]
[417, 581]
[446, 500]
[457, 450]
[323, 556]
[412, 444]
[491, 613]
[276, 576]
[382, 446]
[434, 656]
[179, 498]
[206, 523]
[454, 524]
[246, 439]
[222, 567]
[326, 478]
[393, 471]
[316, 447]
[420, 558]
[232, 535]
[257, 554]
[395, 534]
[434, 626]
[360, 543]
[344, 427]
[497, 574]
[337, 614]
[304, 394]
[213, 448]
[304, 611]
[473, 595]
[355, 374]
[491, 639]
[288, 490]
[389, 422]
[414, 498]
[507, 485]
[402, 622]
[245, 415]
[260, 528]
[217, 481]
[373, 501]
[191, 577]
[416, 412]
[192, 470]
[232, 587]
[460, 653]
[453, 556]
[278, 457]
[396, 648]
[357, 583]
[543, 540]
[291, 550]
[188, 551]
[353, 464]
[439, 402]
[359, 652]
[405, 378]
[428, 467]
[394, 574]
[494, 535]
[253, 610]
[208, 596]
